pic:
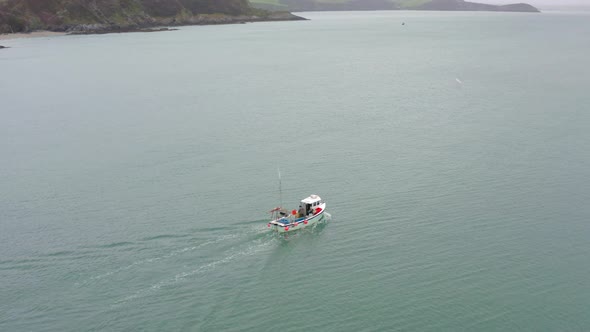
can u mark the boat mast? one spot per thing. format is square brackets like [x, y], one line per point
[280, 189]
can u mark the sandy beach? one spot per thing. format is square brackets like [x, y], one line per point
[35, 34]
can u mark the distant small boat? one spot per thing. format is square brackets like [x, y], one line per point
[311, 211]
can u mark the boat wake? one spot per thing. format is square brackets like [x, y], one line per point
[253, 238]
[181, 251]
[253, 247]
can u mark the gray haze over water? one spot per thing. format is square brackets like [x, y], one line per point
[542, 3]
[452, 151]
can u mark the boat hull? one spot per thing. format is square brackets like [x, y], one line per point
[309, 222]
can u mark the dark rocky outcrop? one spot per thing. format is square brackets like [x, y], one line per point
[99, 16]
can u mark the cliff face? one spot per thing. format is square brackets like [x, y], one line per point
[314, 5]
[75, 15]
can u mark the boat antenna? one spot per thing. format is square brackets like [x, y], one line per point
[280, 189]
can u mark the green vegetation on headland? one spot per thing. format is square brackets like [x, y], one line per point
[317, 5]
[100, 16]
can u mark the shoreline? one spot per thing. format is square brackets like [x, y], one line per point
[153, 25]
[34, 34]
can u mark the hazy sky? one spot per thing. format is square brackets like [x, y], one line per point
[542, 2]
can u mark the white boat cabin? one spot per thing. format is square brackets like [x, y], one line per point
[310, 206]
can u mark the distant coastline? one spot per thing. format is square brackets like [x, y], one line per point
[88, 17]
[346, 5]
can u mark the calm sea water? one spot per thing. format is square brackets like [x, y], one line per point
[453, 152]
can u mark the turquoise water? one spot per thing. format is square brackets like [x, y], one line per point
[453, 153]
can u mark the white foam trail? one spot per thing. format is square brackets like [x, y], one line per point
[154, 259]
[251, 250]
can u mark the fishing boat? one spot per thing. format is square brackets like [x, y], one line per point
[310, 212]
